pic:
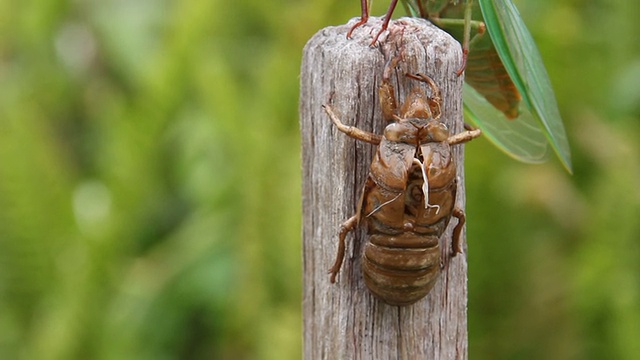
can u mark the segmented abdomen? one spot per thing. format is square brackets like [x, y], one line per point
[402, 257]
[401, 269]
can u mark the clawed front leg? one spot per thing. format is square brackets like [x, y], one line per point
[436, 96]
[364, 17]
[385, 22]
[352, 131]
[467, 24]
[466, 36]
[468, 43]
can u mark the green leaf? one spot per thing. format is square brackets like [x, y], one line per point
[523, 62]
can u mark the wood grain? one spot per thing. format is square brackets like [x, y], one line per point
[343, 320]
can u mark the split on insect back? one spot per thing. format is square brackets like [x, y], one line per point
[508, 93]
[409, 197]
[343, 318]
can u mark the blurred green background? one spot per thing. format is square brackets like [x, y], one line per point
[150, 185]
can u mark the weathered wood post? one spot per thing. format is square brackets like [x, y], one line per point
[343, 320]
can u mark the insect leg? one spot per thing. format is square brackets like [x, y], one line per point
[464, 136]
[352, 131]
[467, 24]
[436, 96]
[388, 103]
[347, 226]
[466, 36]
[386, 92]
[456, 240]
[364, 17]
[385, 23]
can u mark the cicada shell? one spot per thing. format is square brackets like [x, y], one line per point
[508, 93]
[409, 196]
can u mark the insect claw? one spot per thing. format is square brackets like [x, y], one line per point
[465, 54]
[333, 273]
[415, 139]
[375, 39]
[385, 22]
[361, 22]
[364, 17]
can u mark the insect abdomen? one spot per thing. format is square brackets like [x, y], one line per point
[401, 269]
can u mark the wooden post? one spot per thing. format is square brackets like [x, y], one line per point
[343, 320]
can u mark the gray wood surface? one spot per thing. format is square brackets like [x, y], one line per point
[343, 320]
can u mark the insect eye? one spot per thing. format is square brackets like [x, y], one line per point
[438, 131]
[394, 132]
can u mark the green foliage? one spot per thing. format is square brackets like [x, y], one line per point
[554, 259]
[150, 185]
